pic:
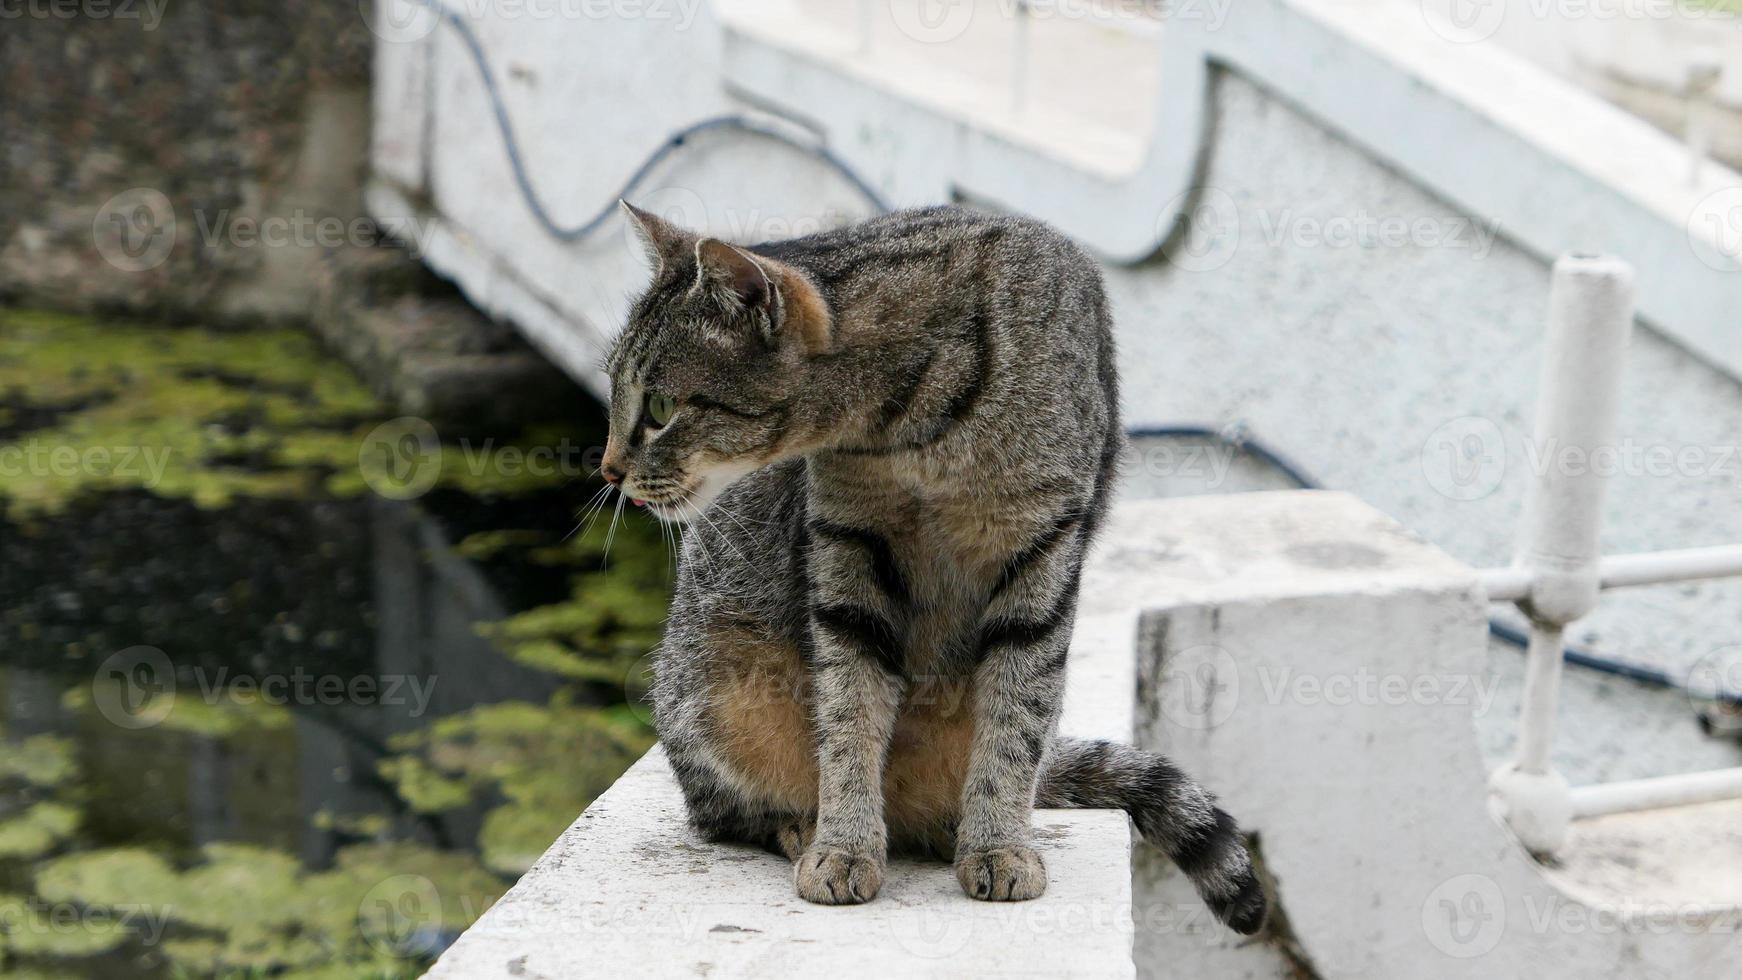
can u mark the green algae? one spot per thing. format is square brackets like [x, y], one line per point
[267, 414]
[485, 545]
[246, 908]
[38, 830]
[32, 928]
[612, 617]
[423, 788]
[224, 713]
[351, 824]
[549, 761]
[209, 417]
[44, 761]
[165, 409]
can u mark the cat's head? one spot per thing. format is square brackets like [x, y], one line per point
[707, 375]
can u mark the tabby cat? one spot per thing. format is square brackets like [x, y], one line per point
[891, 445]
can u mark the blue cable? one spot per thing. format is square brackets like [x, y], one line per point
[523, 180]
[1236, 437]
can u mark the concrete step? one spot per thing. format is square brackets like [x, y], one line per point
[1682, 864]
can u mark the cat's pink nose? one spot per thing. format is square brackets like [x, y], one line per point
[613, 475]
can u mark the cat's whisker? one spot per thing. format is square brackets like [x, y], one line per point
[669, 534]
[611, 534]
[588, 510]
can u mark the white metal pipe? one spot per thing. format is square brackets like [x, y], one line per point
[1590, 323]
[1542, 684]
[1512, 584]
[1653, 794]
[1509, 584]
[1652, 568]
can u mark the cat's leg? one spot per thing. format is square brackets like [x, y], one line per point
[855, 618]
[1018, 692]
[721, 813]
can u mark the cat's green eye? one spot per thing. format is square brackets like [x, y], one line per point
[658, 409]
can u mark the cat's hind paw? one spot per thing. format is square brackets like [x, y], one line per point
[793, 838]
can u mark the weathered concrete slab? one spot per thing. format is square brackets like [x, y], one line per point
[631, 891]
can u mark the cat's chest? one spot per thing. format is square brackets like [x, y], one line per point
[956, 551]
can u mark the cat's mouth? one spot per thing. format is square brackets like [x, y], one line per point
[673, 508]
[676, 504]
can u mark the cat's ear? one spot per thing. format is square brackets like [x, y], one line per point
[733, 275]
[663, 241]
[778, 298]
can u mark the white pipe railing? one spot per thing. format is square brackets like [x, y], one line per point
[1661, 791]
[1558, 572]
[1622, 571]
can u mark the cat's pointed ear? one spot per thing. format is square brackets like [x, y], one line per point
[733, 275]
[663, 241]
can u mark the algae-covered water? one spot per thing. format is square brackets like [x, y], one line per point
[288, 687]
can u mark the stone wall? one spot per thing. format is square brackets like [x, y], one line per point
[212, 116]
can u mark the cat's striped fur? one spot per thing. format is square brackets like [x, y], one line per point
[893, 444]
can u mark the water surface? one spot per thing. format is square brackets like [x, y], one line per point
[287, 687]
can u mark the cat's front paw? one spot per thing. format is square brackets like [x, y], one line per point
[1002, 874]
[833, 876]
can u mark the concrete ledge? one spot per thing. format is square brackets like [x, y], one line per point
[631, 891]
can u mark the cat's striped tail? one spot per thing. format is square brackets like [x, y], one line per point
[1171, 811]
